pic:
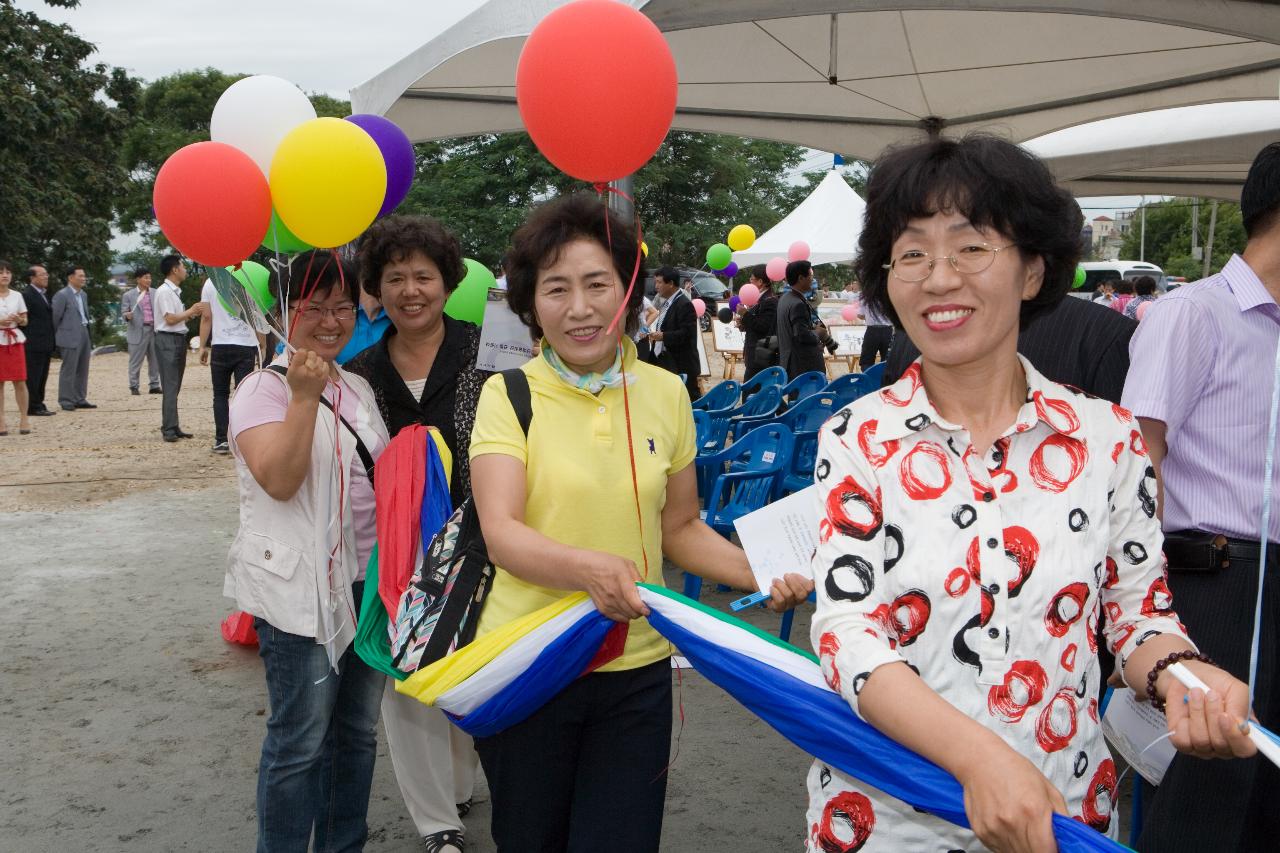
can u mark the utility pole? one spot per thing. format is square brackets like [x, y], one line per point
[621, 205]
[1142, 240]
[1208, 243]
[1195, 228]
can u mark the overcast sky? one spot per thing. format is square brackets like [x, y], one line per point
[324, 46]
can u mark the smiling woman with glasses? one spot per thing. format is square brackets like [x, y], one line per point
[300, 432]
[979, 522]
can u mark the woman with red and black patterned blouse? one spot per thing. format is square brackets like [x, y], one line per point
[980, 520]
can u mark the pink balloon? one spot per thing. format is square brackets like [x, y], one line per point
[849, 313]
[776, 269]
[699, 307]
[749, 295]
[799, 251]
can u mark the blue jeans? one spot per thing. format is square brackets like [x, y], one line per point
[317, 758]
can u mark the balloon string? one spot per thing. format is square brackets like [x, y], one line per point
[603, 190]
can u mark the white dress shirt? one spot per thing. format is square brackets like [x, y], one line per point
[168, 300]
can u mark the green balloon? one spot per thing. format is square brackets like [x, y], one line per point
[253, 277]
[719, 256]
[467, 302]
[1079, 279]
[280, 239]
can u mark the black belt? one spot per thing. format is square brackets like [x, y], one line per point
[1195, 550]
[179, 334]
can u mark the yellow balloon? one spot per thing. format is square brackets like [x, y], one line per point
[328, 180]
[741, 237]
[644, 247]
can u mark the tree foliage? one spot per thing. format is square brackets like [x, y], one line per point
[1168, 236]
[64, 121]
[695, 189]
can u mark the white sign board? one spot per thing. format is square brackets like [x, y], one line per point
[726, 337]
[504, 340]
[849, 338]
[780, 537]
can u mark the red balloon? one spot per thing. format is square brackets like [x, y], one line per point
[596, 87]
[213, 203]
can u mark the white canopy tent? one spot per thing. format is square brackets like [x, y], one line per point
[857, 75]
[829, 220]
[1203, 150]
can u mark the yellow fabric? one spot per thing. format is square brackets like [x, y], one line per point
[446, 457]
[578, 478]
[430, 683]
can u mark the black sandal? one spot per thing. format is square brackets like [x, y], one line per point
[440, 842]
[464, 809]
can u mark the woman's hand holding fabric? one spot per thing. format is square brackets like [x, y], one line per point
[611, 582]
[1010, 803]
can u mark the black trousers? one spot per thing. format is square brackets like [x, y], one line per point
[37, 377]
[587, 771]
[875, 343]
[228, 361]
[1223, 805]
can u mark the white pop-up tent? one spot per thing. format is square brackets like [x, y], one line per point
[829, 220]
[856, 75]
[1203, 150]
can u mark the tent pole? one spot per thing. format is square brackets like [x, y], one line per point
[1208, 243]
[621, 205]
[1142, 240]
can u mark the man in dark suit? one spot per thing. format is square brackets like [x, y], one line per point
[39, 334]
[675, 345]
[71, 334]
[799, 347]
[1079, 343]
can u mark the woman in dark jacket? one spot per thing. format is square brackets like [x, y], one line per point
[423, 371]
[758, 323]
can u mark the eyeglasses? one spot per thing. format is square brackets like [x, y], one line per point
[341, 313]
[914, 265]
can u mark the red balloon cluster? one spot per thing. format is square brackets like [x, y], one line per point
[592, 111]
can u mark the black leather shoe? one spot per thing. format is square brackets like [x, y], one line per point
[181, 434]
[43, 413]
[85, 405]
[68, 408]
[134, 391]
[170, 438]
[155, 391]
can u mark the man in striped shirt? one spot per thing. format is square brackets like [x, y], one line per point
[1199, 383]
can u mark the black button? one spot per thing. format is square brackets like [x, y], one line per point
[988, 497]
[993, 542]
[994, 589]
[993, 633]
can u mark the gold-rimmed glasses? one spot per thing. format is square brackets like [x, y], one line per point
[914, 265]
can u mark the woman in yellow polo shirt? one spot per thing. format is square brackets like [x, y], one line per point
[561, 511]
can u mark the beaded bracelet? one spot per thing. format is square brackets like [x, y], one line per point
[1165, 663]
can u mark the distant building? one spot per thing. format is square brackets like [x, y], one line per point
[1106, 237]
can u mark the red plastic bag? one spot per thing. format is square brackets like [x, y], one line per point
[238, 628]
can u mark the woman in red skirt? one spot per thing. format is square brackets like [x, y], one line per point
[13, 358]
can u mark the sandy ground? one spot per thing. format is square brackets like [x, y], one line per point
[128, 723]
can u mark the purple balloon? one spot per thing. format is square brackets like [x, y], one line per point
[730, 270]
[397, 152]
[734, 302]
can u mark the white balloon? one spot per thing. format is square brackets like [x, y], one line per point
[256, 113]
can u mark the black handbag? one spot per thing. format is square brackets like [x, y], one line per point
[767, 351]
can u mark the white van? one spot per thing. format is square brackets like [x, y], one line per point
[1096, 272]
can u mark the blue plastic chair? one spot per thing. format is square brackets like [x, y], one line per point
[875, 374]
[724, 395]
[804, 420]
[849, 387]
[744, 477]
[802, 386]
[711, 433]
[761, 407]
[770, 376]
[784, 631]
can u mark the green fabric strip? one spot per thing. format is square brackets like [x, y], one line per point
[729, 620]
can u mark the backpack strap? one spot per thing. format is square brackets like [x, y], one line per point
[518, 393]
[366, 458]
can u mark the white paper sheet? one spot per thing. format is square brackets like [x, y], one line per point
[780, 538]
[1131, 726]
[504, 340]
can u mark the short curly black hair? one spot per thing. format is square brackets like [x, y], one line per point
[992, 183]
[537, 244]
[395, 238]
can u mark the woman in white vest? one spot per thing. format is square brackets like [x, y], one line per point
[301, 440]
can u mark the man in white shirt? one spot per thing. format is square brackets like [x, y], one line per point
[171, 341]
[234, 353]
